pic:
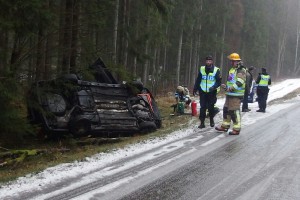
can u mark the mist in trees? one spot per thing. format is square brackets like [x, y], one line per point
[161, 42]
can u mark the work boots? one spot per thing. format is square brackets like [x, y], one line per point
[234, 132]
[221, 128]
[202, 125]
[211, 122]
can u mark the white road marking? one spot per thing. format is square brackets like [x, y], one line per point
[212, 140]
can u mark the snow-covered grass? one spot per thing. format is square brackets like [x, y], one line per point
[69, 170]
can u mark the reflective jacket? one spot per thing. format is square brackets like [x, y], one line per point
[236, 79]
[208, 80]
[210, 75]
[264, 80]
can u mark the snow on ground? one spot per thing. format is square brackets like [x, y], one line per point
[69, 170]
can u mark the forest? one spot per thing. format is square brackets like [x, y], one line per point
[160, 42]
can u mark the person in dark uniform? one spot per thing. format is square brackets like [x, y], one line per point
[207, 83]
[249, 79]
[263, 80]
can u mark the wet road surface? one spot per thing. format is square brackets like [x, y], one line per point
[261, 163]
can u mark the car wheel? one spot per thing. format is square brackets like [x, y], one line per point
[56, 104]
[80, 128]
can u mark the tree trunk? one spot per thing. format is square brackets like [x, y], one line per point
[40, 60]
[281, 51]
[67, 37]
[145, 71]
[297, 40]
[115, 35]
[60, 36]
[179, 52]
[3, 51]
[154, 73]
[189, 71]
[16, 53]
[75, 29]
[281, 47]
[194, 70]
[126, 30]
[224, 70]
[48, 50]
[198, 47]
[48, 60]
[136, 35]
[164, 81]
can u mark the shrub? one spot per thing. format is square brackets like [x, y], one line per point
[13, 121]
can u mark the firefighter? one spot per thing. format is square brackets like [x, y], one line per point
[235, 88]
[207, 82]
[263, 80]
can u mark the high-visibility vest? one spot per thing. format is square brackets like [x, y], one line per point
[208, 80]
[231, 82]
[264, 80]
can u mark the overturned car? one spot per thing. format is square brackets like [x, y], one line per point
[102, 107]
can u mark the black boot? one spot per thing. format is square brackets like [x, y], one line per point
[202, 125]
[211, 122]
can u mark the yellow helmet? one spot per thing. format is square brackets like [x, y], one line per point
[234, 56]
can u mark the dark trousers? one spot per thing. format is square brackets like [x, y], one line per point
[207, 102]
[262, 96]
[245, 100]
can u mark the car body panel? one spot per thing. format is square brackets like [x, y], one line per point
[70, 104]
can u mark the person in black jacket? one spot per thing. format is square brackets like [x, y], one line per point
[207, 82]
[249, 80]
[263, 80]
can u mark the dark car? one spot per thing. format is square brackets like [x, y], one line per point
[70, 104]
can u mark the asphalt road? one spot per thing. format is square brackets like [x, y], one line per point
[261, 163]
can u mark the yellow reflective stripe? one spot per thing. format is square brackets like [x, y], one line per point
[226, 124]
[240, 94]
[235, 86]
[240, 80]
[237, 125]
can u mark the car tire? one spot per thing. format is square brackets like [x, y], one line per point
[56, 104]
[80, 128]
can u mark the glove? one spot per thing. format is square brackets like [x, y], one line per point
[211, 89]
[230, 89]
[224, 87]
